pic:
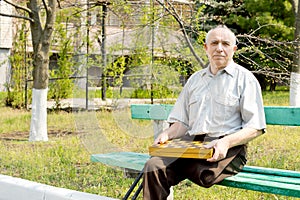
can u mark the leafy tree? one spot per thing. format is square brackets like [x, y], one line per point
[19, 61]
[41, 16]
[62, 85]
[295, 75]
[264, 35]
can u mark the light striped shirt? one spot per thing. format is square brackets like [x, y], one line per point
[220, 104]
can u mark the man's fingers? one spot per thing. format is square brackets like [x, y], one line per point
[161, 139]
[214, 158]
[210, 144]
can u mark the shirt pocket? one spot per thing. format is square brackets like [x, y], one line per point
[227, 100]
[226, 106]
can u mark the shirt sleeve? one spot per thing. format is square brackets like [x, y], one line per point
[252, 109]
[180, 112]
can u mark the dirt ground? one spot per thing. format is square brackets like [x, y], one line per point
[24, 136]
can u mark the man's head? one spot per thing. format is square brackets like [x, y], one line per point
[220, 45]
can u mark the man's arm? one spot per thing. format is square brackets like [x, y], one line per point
[221, 147]
[176, 130]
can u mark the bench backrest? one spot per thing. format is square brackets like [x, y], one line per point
[275, 115]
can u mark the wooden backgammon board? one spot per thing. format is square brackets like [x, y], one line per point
[181, 149]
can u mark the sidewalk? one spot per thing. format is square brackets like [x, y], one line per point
[98, 103]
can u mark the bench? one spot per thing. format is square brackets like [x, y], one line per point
[269, 180]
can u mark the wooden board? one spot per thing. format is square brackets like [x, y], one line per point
[181, 149]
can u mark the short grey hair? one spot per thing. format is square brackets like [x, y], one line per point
[223, 27]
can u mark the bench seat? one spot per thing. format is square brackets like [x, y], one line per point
[127, 160]
[269, 180]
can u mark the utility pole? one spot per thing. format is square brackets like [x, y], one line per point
[87, 55]
[103, 51]
[152, 50]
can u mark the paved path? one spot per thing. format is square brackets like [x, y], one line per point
[98, 103]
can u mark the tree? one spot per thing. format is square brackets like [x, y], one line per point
[171, 9]
[265, 32]
[41, 16]
[295, 75]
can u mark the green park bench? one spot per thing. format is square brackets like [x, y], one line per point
[269, 180]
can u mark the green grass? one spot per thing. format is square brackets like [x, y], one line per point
[64, 161]
[279, 98]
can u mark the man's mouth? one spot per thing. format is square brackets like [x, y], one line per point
[218, 56]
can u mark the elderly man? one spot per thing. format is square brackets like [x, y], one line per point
[221, 104]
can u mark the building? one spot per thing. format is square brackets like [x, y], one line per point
[125, 34]
[6, 39]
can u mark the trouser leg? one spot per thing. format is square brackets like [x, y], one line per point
[159, 176]
[206, 174]
[162, 173]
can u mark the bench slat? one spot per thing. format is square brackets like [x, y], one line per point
[271, 171]
[275, 115]
[272, 178]
[282, 115]
[150, 111]
[262, 186]
[129, 160]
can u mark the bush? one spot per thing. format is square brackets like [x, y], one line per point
[158, 92]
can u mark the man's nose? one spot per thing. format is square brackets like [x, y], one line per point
[220, 47]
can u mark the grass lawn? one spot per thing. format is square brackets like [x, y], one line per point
[64, 161]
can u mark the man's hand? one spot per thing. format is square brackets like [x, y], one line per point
[162, 138]
[222, 145]
[220, 149]
[176, 130]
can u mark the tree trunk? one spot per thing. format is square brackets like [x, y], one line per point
[295, 74]
[41, 38]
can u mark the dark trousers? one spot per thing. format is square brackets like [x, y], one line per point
[160, 173]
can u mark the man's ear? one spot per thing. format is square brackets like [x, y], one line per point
[235, 48]
[205, 46]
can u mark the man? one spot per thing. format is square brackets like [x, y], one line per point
[221, 104]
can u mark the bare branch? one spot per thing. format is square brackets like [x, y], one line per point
[16, 16]
[269, 40]
[18, 6]
[176, 16]
[58, 4]
[266, 57]
[46, 7]
[262, 26]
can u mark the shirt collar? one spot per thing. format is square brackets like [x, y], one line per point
[229, 69]
[206, 71]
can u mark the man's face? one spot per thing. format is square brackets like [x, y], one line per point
[220, 48]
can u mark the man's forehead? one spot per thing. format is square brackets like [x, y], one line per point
[221, 34]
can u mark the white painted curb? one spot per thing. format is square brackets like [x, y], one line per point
[12, 188]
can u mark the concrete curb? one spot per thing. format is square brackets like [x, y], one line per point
[12, 188]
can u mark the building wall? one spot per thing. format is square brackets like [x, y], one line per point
[4, 68]
[5, 43]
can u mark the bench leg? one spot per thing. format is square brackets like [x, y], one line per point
[136, 181]
[136, 194]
